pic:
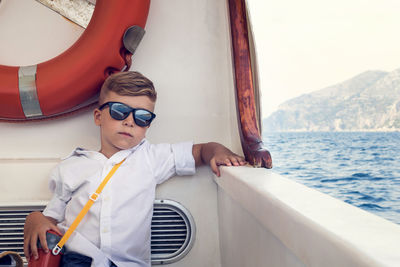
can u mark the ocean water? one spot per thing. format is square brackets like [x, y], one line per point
[360, 168]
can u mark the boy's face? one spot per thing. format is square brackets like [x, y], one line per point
[119, 135]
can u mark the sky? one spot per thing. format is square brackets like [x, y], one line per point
[303, 46]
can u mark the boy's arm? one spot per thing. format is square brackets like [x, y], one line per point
[36, 226]
[215, 155]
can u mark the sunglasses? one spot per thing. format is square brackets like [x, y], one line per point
[120, 111]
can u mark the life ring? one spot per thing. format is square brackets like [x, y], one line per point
[66, 82]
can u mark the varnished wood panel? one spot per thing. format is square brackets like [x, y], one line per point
[252, 144]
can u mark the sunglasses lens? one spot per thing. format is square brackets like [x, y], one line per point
[143, 117]
[119, 111]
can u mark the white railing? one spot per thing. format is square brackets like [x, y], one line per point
[293, 225]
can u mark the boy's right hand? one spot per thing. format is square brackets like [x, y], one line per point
[36, 226]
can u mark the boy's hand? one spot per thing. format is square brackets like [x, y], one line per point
[216, 155]
[36, 226]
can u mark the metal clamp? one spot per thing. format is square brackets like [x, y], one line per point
[132, 37]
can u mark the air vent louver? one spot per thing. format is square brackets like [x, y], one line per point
[12, 221]
[172, 232]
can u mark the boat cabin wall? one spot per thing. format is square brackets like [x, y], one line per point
[185, 52]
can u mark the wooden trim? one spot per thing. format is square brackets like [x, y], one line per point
[253, 147]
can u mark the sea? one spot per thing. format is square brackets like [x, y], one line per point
[360, 168]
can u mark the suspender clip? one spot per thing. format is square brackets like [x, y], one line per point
[56, 250]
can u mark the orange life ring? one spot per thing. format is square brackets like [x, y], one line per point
[65, 82]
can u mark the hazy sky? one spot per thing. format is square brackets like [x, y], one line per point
[307, 45]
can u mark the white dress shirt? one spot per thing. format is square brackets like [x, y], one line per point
[118, 226]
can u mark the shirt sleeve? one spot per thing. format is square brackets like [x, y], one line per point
[171, 159]
[61, 195]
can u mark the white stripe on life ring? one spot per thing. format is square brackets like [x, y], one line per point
[28, 92]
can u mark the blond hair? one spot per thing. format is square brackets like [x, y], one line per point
[129, 83]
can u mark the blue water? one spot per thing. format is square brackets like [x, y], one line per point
[360, 168]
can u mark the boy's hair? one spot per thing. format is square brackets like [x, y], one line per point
[129, 83]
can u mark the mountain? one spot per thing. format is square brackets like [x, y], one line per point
[368, 101]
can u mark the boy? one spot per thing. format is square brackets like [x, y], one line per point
[116, 230]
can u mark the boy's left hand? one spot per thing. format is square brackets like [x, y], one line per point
[216, 155]
[225, 158]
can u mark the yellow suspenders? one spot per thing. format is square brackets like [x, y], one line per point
[78, 219]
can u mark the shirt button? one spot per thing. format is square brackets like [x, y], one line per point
[105, 230]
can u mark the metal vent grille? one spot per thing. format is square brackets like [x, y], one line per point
[12, 221]
[172, 230]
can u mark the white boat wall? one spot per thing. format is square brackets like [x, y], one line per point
[247, 217]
